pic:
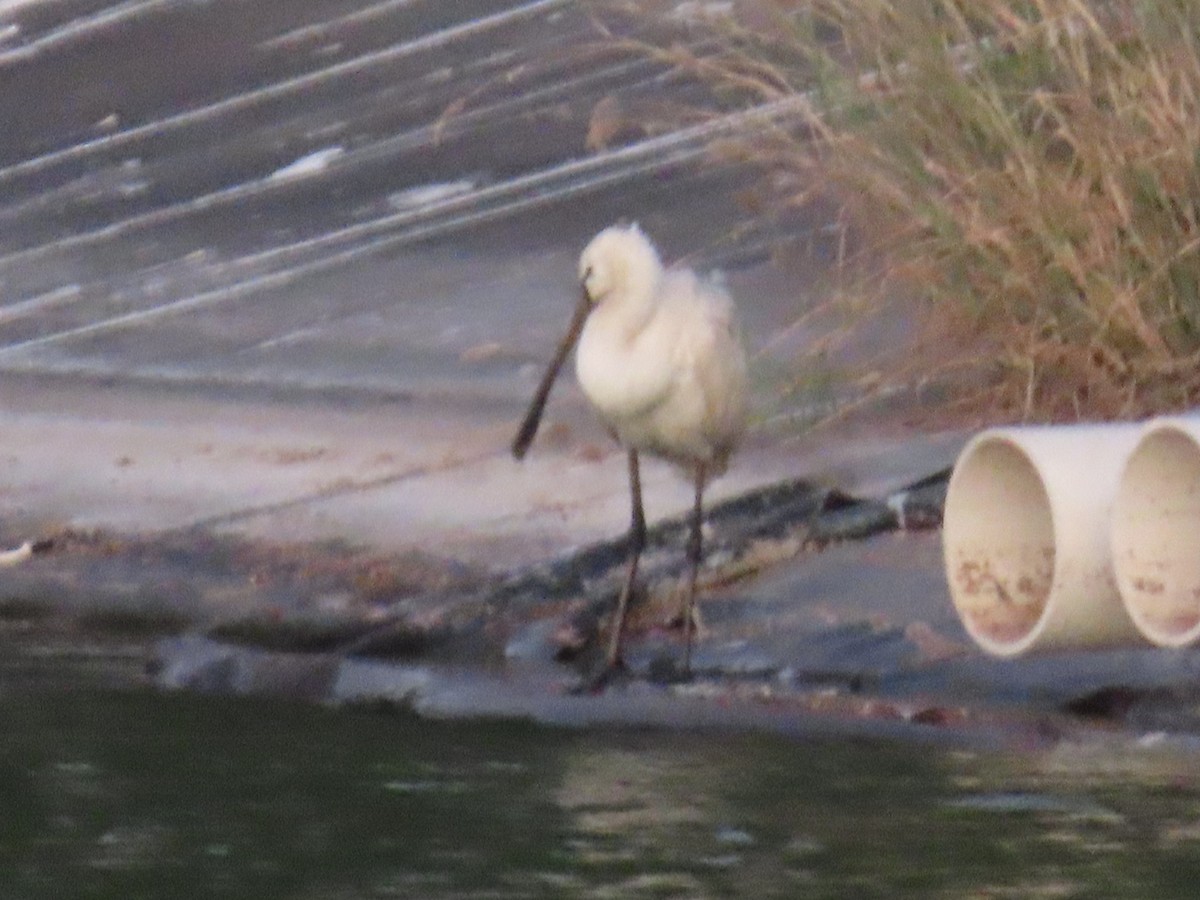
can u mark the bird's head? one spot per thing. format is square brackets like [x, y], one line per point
[619, 264]
[619, 261]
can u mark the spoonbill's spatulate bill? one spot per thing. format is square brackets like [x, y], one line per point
[661, 361]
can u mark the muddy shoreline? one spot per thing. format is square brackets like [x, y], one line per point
[332, 624]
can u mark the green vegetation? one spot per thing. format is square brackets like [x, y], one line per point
[1023, 173]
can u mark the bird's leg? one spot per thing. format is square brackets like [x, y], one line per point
[637, 540]
[695, 553]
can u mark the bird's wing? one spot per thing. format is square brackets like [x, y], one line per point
[710, 363]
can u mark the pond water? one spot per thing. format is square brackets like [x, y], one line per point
[134, 794]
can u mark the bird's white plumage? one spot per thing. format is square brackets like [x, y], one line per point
[660, 357]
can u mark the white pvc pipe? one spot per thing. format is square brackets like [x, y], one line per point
[1156, 532]
[1026, 542]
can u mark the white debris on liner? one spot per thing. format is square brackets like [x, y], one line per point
[129, 185]
[15, 557]
[311, 164]
[896, 504]
[425, 194]
[1152, 739]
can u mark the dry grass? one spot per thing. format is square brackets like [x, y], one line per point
[1027, 172]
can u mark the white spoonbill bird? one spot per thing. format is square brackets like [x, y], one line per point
[661, 360]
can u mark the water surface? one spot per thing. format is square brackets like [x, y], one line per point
[129, 794]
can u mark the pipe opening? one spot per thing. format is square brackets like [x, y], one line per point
[1156, 536]
[999, 545]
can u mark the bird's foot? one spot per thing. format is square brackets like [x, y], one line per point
[666, 670]
[600, 677]
[575, 637]
[679, 619]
